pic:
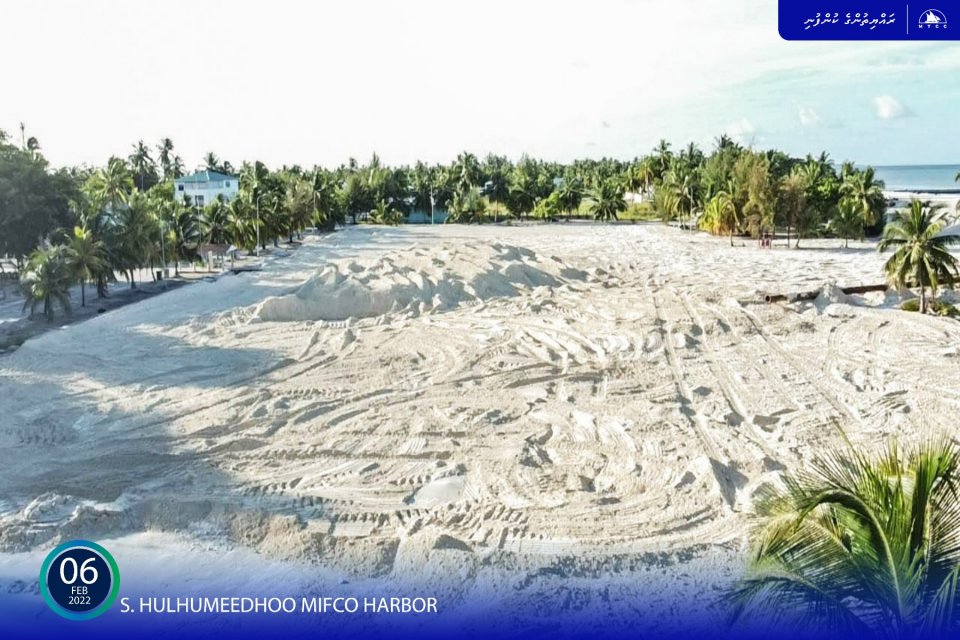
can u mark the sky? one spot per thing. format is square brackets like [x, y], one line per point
[318, 82]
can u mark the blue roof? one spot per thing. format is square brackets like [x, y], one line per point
[206, 176]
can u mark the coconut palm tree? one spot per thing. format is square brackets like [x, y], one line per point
[211, 162]
[720, 215]
[384, 214]
[666, 203]
[921, 250]
[467, 207]
[165, 156]
[183, 224]
[685, 185]
[354, 196]
[663, 157]
[325, 213]
[606, 200]
[845, 221]
[869, 545]
[468, 171]
[692, 156]
[29, 144]
[570, 193]
[298, 203]
[633, 179]
[865, 192]
[214, 221]
[176, 167]
[421, 186]
[141, 163]
[523, 189]
[646, 170]
[241, 226]
[724, 142]
[549, 208]
[112, 184]
[134, 236]
[497, 171]
[46, 280]
[86, 258]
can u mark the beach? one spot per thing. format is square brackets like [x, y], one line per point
[456, 406]
[947, 200]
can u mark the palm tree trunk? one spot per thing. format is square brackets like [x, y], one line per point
[923, 299]
[83, 293]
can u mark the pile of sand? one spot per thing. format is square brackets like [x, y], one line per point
[418, 279]
[830, 294]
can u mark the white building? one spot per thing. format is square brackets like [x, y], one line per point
[203, 187]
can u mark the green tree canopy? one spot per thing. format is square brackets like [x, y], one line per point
[921, 250]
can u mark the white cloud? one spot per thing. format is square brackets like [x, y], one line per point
[741, 131]
[809, 116]
[889, 108]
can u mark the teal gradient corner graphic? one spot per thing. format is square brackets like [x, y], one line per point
[114, 577]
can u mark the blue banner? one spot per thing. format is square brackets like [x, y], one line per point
[869, 20]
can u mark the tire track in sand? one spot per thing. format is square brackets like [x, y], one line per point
[726, 469]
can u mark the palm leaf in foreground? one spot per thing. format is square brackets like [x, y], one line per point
[870, 546]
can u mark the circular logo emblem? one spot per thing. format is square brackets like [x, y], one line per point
[79, 580]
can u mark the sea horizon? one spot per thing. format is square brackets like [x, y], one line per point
[928, 178]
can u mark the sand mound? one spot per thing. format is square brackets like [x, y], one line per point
[420, 279]
[830, 294]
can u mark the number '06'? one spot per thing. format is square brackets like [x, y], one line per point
[83, 571]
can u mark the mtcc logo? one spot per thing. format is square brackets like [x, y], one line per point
[932, 19]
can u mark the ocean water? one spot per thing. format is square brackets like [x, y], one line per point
[937, 178]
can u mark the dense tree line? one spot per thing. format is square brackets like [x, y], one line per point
[125, 215]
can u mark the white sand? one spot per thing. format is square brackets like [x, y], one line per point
[949, 201]
[603, 399]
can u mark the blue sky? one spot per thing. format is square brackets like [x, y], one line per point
[319, 82]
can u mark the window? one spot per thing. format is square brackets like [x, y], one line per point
[227, 184]
[199, 201]
[179, 187]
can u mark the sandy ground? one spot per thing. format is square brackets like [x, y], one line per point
[528, 406]
[949, 201]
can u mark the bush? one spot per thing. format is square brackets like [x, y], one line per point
[937, 307]
[640, 211]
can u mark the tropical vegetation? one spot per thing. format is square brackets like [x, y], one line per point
[868, 545]
[921, 251]
[125, 216]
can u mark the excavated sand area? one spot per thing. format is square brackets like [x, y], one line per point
[516, 404]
